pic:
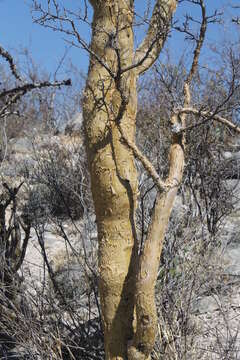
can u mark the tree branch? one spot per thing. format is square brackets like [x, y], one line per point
[146, 313]
[49, 19]
[208, 116]
[145, 162]
[5, 54]
[30, 86]
[149, 50]
[197, 51]
[13, 95]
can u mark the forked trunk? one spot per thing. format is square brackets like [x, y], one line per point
[109, 109]
[144, 337]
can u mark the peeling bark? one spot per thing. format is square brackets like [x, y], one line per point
[109, 110]
[144, 337]
[113, 172]
[150, 48]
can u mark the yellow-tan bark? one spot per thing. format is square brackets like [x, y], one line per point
[113, 173]
[109, 107]
[144, 337]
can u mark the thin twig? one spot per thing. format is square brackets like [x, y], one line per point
[5, 54]
[208, 116]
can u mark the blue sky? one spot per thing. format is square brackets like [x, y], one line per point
[17, 31]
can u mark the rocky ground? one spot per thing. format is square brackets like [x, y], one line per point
[217, 313]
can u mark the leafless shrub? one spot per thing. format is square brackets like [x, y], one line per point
[59, 317]
[59, 182]
[187, 269]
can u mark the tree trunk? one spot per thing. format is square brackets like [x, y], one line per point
[112, 168]
[109, 110]
[144, 337]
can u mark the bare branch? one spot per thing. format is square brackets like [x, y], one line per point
[149, 50]
[28, 87]
[8, 104]
[156, 231]
[236, 20]
[193, 69]
[200, 41]
[13, 95]
[208, 116]
[49, 19]
[145, 162]
[5, 54]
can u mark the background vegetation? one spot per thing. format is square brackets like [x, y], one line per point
[52, 311]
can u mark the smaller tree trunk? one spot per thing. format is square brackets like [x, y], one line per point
[146, 330]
